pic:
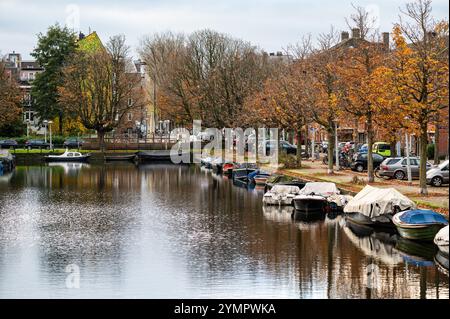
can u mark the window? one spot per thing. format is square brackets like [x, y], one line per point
[393, 161]
[130, 102]
[130, 131]
[385, 147]
[378, 158]
[29, 116]
[130, 117]
[445, 169]
[69, 154]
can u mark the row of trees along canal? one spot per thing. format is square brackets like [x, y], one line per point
[390, 88]
[228, 82]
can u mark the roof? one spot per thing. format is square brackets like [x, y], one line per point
[91, 43]
[30, 65]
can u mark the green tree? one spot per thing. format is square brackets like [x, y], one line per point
[52, 52]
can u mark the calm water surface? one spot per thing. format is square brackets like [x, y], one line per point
[163, 231]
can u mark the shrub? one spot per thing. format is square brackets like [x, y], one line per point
[288, 161]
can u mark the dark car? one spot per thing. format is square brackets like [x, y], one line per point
[359, 162]
[8, 144]
[39, 144]
[73, 143]
[284, 146]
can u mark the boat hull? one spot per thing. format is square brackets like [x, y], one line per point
[271, 201]
[424, 233]
[120, 158]
[378, 222]
[310, 205]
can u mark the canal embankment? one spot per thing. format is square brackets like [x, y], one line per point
[353, 182]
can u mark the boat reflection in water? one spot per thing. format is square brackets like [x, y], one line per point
[308, 220]
[441, 260]
[380, 246]
[416, 253]
[69, 167]
[282, 214]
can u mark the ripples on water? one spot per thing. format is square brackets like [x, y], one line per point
[163, 231]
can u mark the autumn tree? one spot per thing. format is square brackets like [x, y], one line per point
[322, 75]
[419, 73]
[10, 98]
[205, 75]
[358, 76]
[98, 89]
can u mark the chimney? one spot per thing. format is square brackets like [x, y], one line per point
[356, 33]
[386, 39]
[344, 36]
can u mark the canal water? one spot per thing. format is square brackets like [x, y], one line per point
[166, 231]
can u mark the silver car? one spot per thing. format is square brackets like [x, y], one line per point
[438, 175]
[397, 167]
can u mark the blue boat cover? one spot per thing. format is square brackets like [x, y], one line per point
[420, 217]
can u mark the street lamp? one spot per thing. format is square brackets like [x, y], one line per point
[45, 131]
[336, 144]
[28, 127]
[50, 125]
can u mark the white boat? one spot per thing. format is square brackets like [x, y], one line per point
[376, 206]
[314, 197]
[441, 240]
[281, 195]
[68, 157]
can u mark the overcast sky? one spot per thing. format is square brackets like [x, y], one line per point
[269, 24]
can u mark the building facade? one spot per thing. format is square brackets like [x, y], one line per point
[24, 72]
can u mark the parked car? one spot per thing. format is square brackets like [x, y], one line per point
[364, 149]
[8, 144]
[73, 143]
[284, 146]
[397, 167]
[40, 144]
[359, 162]
[382, 148]
[437, 176]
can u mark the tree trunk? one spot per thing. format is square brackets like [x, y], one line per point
[369, 151]
[436, 142]
[299, 147]
[423, 158]
[331, 140]
[101, 140]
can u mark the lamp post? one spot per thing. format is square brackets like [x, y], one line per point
[50, 125]
[336, 144]
[45, 131]
[28, 128]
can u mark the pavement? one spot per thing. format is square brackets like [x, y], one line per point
[437, 198]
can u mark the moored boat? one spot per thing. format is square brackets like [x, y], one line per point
[314, 197]
[281, 195]
[375, 207]
[422, 225]
[119, 158]
[441, 240]
[68, 157]
[242, 170]
[157, 155]
[227, 168]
